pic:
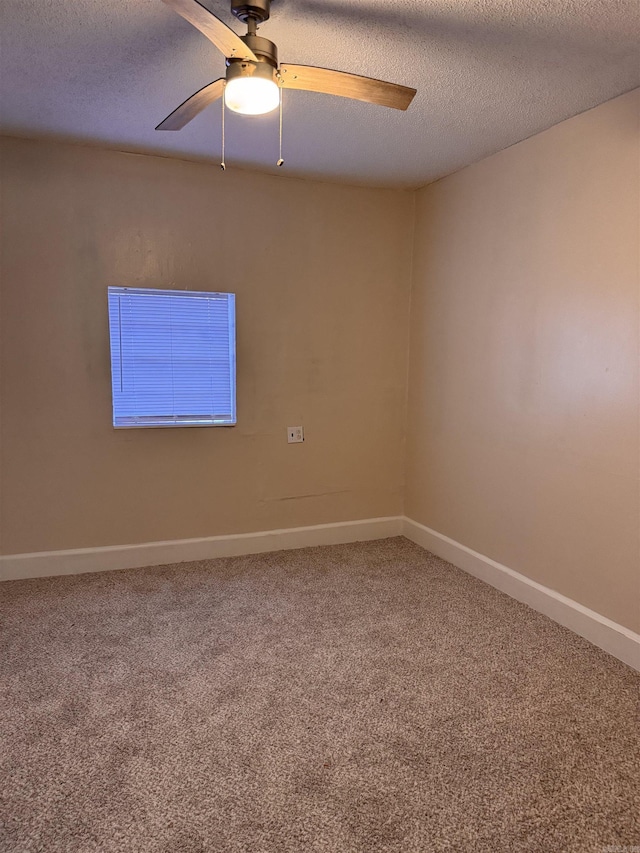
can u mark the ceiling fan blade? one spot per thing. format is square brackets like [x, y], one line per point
[346, 85]
[213, 28]
[193, 105]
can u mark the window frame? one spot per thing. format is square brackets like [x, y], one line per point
[231, 421]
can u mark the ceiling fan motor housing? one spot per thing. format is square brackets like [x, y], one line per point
[256, 10]
[263, 49]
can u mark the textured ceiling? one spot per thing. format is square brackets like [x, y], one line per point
[488, 72]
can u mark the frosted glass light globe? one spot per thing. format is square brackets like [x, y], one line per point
[251, 96]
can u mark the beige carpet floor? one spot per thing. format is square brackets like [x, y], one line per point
[365, 697]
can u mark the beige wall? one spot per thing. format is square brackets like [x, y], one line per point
[523, 396]
[321, 274]
[523, 425]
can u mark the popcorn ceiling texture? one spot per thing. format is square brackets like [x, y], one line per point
[488, 72]
[354, 699]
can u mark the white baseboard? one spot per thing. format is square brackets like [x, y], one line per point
[78, 561]
[615, 639]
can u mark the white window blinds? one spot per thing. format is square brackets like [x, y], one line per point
[172, 357]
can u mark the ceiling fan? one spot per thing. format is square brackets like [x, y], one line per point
[254, 77]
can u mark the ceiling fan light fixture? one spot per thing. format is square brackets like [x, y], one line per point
[255, 76]
[251, 96]
[251, 88]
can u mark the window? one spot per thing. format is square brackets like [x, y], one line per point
[173, 357]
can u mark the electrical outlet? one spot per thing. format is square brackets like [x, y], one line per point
[295, 434]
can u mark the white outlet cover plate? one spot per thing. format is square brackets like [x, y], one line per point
[295, 434]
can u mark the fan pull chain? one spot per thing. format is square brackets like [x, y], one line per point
[280, 160]
[223, 165]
